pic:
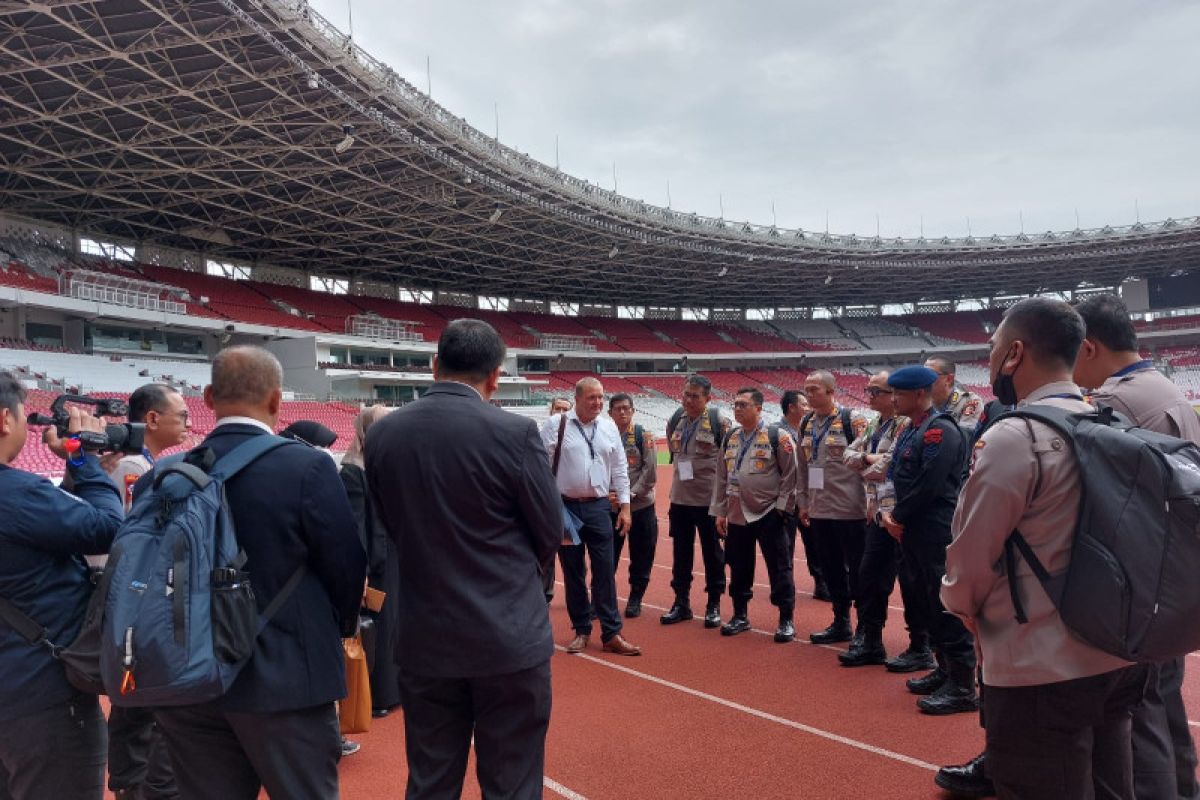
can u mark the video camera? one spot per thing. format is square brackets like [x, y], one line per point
[125, 437]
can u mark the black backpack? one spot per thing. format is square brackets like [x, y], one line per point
[1131, 588]
[714, 422]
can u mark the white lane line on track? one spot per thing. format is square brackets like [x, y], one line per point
[1194, 724]
[754, 712]
[560, 790]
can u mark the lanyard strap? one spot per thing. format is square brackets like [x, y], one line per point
[817, 439]
[877, 436]
[689, 430]
[583, 433]
[747, 443]
[1136, 366]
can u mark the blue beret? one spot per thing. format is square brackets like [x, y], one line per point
[912, 378]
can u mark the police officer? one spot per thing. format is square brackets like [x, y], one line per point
[138, 764]
[871, 455]
[694, 436]
[794, 405]
[832, 500]
[950, 398]
[756, 483]
[641, 453]
[927, 473]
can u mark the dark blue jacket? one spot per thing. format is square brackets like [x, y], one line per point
[927, 473]
[290, 508]
[466, 493]
[44, 533]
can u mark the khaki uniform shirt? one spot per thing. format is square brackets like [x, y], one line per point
[642, 457]
[874, 476]
[843, 496]
[1151, 401]
[700, 448]
[765, 481]
[965, 407]
[1031, 483]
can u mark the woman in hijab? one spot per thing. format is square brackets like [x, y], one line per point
[383, 570]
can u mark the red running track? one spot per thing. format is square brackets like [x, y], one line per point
[700, 715]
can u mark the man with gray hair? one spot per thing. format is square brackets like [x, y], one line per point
[276, 728]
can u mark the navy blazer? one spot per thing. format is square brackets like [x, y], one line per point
[290, 508]
[467, 496]
[44, 533]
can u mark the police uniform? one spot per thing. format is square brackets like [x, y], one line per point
[695, 445]
[642, 458]
[137, 754]
[1164, 756]
[965, 408]
[791, 524]
[832, 493]
[882, 557]
[1057, 708]
[755, 485]
[927, 472]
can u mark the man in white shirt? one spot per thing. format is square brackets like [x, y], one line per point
[589, 462]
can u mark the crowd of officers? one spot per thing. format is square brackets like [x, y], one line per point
[904, 495]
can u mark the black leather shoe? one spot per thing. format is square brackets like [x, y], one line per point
[911, 660]
[967, 780]
[633, 608]
[927, 684]
[838, 631]
[712, 615]
[680, 612]
[821, 592]
[737, 624]
[380, 713]
[949, 699]
[786, 631]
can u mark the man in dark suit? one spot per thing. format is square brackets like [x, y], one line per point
[276, 727]
[467, 496]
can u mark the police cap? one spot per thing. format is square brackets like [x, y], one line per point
[911, 378]
[309, 432]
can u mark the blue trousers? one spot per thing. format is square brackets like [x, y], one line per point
[596, 537]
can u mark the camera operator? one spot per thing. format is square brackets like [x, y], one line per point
[138, 763]
[52, 738]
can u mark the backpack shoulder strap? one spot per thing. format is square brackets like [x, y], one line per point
[562, 431]
[773, 436]
[293, 582]
[21, 622]
[714, 420]
[246, 454]
[804, 425]
[673, 422]
[848, 424]
[639, 435]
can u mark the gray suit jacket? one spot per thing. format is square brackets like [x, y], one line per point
[466, 494]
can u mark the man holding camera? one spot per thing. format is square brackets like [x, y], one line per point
[52, 737]
[138, 763]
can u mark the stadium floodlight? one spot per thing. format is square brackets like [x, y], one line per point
[494, 217]
[613, 253]
[347, 141]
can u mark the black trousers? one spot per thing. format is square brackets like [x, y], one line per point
[508, 716]
[384, 671]
[232, 755]
[548, 581]
[912, 592]
[771, 538]
[791, 524]
[137, 754]
[596, 537]
[1164, 755]
[1064, 740]
[925, 560]
[55, 753]
[840, 545]
[876, 576]
[643, 541]
[685, 523]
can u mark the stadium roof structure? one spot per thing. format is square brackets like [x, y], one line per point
[255, 131]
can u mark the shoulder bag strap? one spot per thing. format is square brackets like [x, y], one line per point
[562, 430]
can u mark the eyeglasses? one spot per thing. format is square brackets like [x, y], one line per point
[183, 415]
[742, 404]
[875, 391]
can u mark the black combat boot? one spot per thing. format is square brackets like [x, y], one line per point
[737, 624]
[786, 631]
[956, 695]
[917, 657]
[633, 608]
[712, 612]
[821, 590]
[928, 684]
[681, 611]
[867, 650]
[838, 631]
[967, 780]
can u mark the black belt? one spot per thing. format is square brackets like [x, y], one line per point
[582, 499]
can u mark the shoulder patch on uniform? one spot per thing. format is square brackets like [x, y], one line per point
[971, 408]
[859, 424]
[933, 436]
[786, 444]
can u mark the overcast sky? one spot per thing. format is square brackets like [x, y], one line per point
[942, 110]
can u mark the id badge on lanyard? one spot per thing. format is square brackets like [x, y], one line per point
[597, 474]
[685, 469]
[816, 477]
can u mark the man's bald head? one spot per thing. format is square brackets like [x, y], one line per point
[246, 382]
[582, 386]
